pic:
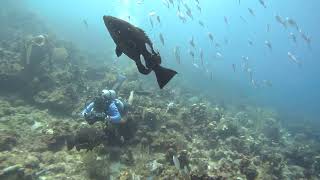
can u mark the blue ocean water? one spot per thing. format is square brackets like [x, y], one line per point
[294, 91]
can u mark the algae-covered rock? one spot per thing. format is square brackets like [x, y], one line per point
[59, 99]
[7, 142]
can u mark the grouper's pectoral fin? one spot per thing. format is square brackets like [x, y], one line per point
[118, 51]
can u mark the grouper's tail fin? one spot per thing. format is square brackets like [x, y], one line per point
[163, 75]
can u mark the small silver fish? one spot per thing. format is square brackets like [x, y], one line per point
[151, 22]
[201, 23]
[191, 42]
[268, 44]
[306, 38]
[176, 162]
[182, 17]
[191, 54]
[199, 8]
[251, 12]
[293, 37]
[281, 21]
[292, 23]
[294, 59]
[210, 36]
[243, 19]
[250, 42]
[226, 20]
[161, 39]
[176, 52]
[189, 14]
[263, 3]
[158, 19]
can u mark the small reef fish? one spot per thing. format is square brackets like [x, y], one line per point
[306, 38]
[187, 7]
[268, 28]
[140, 2]
[191, 42]
[201, 23]
[131, 96]
[132, 41]
[263, 3]
[196, 65]
[191, 54]
[166, 3]
[250, 42]
[199, 8]
[86, 24]
[280, 20]
[251, 12]
[158, 19]
[161, 39]
[151, 22]
[152, 13]
[234, 67]
[293, 37]
[182, 17]
[189, 13]
[294, 59]
[218, 55]
[201, 55]
[226, 40]
[176, 52]
[176, 162]
[210, 36]
[268, 44]
[226, 20]
[292, 23]
[243, 19]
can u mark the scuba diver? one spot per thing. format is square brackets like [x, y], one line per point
[105, 107]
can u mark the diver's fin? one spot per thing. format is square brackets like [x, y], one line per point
[163, 75]
[70, 141]
[118, 51]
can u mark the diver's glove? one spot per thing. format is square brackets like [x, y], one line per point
[93, 117]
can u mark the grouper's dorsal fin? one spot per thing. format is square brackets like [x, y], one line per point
[145, 35]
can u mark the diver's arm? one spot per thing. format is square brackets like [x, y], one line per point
[114, 114]
[87, 109]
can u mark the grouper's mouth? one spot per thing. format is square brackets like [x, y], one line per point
[107, 21]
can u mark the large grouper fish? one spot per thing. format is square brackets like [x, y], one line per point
[133, 42]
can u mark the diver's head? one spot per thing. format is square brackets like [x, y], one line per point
[108, 94]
